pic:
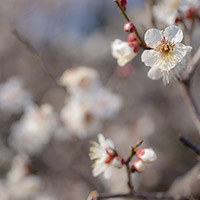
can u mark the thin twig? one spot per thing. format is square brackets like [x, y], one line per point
[128, 20]
[190, 144]
[128, 170]
[36, 54]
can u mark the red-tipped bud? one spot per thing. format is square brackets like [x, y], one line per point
[118, 162]
[129, 27]
[132, 37]
[147, 155]
[138, 166]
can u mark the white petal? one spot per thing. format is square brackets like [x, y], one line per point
[101, 139]
[122, 52]
[98, 169]
[108, 172]
[173, 34]
[155, 73]
[153, 37]
[150, 57]
[188, 49]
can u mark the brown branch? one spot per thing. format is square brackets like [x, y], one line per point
[190, 144]
[136, 195]
[191, 104]
[128, 169]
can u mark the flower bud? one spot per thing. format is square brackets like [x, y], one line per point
[132, 37]
[147, 155]
[118, 161]
[138, 166]
[129, 27]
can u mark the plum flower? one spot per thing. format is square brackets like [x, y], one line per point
[104, 155]
[122, 52]
[166, 52]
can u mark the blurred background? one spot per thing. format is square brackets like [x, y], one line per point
[68, 34]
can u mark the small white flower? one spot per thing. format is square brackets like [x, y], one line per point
[79, 119]
[13, 97]
[122, 52]
[147, 155]
[166, 52]
[103, 154]
[79, 80]
[138, 166]
[34, 130]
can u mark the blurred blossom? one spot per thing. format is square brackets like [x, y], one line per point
[79, 119]
[106, 104]
[13, 97]
[80, 80]
[173, 9]
[20, 184]
[89, 104]
[34, 130]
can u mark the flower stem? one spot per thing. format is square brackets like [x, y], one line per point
[128, 20]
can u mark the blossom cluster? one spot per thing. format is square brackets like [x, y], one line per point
[163, 50]
[88, 102]
[106, 157]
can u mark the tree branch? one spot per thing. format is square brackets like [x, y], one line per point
[190, 144]
[136, 195]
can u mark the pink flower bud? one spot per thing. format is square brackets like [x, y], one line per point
[138, 166]
[118, 162]
[132, 37]
[147, 155]
[129, 27]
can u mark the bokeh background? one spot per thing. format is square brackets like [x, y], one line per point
[70, 33]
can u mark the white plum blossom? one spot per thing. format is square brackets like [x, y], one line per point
[147, 155]
[166, 52]
[103, 154]
[80, 80]
[122, 52]
[34, 129]
[13, 97]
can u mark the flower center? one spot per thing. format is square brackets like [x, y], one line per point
[165, 47]
[110, 157]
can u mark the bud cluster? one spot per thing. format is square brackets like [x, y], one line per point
[146, 155]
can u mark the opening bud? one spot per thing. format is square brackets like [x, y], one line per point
[138, 166]
[129, 27]
[147, 155]
[118, 161]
